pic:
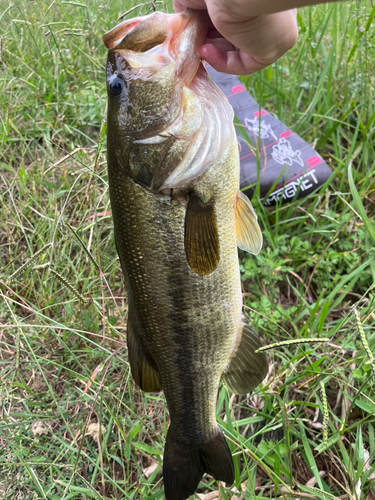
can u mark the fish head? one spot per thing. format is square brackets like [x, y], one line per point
[150, 60]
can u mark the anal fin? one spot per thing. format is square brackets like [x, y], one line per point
[249, 235]
[246, 369]
[201, 236]
[143, 367]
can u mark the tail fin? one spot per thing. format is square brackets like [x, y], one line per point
[185, 465]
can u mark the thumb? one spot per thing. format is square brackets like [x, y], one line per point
[181, 5]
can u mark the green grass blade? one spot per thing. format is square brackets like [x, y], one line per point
[309, 455]
[361, 210]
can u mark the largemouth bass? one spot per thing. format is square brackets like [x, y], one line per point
[178, 214]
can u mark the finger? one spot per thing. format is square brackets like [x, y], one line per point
[181, 5]
[178, 7]
[255, 8]
[264, 38]
[220, 43]
[232, 62]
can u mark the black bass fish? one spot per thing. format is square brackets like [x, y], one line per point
[178, 214]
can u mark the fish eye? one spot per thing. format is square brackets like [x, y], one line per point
[115, 85]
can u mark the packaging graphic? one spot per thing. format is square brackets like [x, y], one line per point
[288, 167]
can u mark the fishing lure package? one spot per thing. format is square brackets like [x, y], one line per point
[287, 167]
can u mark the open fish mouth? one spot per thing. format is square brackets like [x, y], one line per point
[164, 38]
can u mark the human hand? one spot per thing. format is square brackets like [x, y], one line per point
[239, 43]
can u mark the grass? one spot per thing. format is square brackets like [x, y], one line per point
[62, 438]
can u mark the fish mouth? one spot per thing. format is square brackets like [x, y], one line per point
[163, 37]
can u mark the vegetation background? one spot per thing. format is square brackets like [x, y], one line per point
[63, 438]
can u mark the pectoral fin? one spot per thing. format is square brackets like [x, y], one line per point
[249, 236]
[201, 236]
[246, 369]
[143, 367]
